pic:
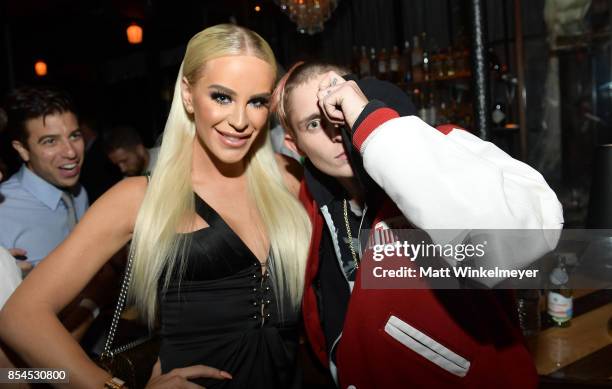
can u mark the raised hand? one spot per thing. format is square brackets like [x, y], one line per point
[340, 101]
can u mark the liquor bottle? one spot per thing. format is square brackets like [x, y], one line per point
[498, 115]
[528, 305]
[450, 63]
[423, 110]
[383, 65]
[560, 301]
[395, 66]
[426, 59]
[438, 65]
[495, 64]
[417, 60]
[432, 109]
[364, 64]
[373, 63]
[406, 63]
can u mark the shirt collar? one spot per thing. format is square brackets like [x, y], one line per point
[39, 188]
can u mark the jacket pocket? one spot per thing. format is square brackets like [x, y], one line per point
[427, 347]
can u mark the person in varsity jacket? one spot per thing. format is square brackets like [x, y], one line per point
[384, 165]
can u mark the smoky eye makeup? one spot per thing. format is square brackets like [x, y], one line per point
[260, 102]
[220, 97]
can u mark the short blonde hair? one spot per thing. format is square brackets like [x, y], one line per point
[298, 74]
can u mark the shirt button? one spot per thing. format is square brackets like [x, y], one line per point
[254, 290]
[254, 303]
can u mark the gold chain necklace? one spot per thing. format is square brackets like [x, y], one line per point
[349, 235]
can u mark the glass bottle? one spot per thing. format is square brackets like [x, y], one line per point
[364, 64]
[432, 109]
[498, 115]
[406, 63]
[383, 65]
[417, 60]
[394, 66]
[426, 65]
[528, 305]
[560, 300]
[373, 62]
[423, 111]
[450, 63]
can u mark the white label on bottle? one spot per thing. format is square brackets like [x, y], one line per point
[498, 116]
[382, 67]
[394, 64]
[560, 308]
[364, 68]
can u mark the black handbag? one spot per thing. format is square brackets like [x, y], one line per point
[132, 362]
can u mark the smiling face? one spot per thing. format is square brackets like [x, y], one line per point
[230, 104]
[313, 135]
[54, 149]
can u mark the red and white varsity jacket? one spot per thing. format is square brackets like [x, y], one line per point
[417, 338]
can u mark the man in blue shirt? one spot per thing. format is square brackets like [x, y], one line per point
[41, 203]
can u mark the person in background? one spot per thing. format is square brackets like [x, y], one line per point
[43, 201]
[371, 165]
[219, 238]
[10, 273]
[126, 150]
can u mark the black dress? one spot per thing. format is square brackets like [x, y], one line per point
[224, 313]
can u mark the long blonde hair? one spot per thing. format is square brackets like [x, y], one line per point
[156, 246]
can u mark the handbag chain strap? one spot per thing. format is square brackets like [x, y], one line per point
[125, 285]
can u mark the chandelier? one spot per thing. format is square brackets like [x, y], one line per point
[309, 15]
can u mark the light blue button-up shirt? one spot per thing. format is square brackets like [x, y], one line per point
[33, 216]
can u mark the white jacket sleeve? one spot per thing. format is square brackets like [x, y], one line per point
[457, 181]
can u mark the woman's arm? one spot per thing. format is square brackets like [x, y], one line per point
[29, 323]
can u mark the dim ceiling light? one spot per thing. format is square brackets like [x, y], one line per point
[134, 34]
[40, 68]
[309, 15]
[257, 8]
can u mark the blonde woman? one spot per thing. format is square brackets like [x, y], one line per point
[219, 239]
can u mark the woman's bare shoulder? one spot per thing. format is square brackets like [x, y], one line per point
[128, 189]
[124, 198]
